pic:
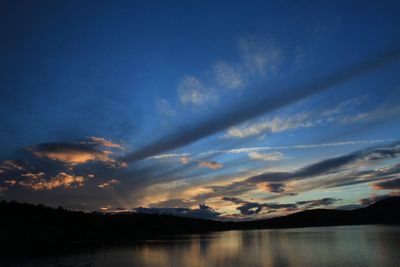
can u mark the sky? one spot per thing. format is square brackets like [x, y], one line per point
[226, 110]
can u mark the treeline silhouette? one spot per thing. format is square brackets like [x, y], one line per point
[28, 228]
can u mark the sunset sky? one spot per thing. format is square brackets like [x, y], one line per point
[218, 110]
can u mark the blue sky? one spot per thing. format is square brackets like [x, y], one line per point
[121, 104]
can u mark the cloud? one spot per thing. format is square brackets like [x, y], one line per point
[168, 156]
[33, 175]
[259, 57]
[165, 108]
[61, 180]
[11, 165]
[331, 172]
[232, 189]
[203, 212]
[305, 119]
[249, 108]
[364, 176]
[388, 184]
[331, 165]
[228, 76]
[109, 184]
[267, 157]
[173, 203]
[372, 199]
[71, 153]
[346, 105]
[374, 115]
[301, 146]
[10, 182]
[275, 125]
[192, 91]
[106, 208]
[251, 208]
[210, 164]
[184, 160]
[273, 187]
[104, 142]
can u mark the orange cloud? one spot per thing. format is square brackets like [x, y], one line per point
[266, 157]
[391, 184]
[11, 165]
[104, 142]
[33, 175]
[106, 208]
[75, 157]
[272, 187]
[10, 182]
[61, 180]
[71, 153]
[184, 160]
[122, 164]
[211, 165]
[109, 184]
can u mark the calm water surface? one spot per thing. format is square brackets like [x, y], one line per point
[321, 246]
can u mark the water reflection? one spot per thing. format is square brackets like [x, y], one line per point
[324, 246]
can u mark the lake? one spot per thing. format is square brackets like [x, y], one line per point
[372, 245]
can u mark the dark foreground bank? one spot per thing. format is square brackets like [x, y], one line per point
[26, 228]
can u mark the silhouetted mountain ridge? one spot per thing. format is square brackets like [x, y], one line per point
[381, 212]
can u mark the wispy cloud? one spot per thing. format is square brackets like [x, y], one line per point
[109, 184]
[33, 175]
[79, 152]
[273, 187]
[331, 165]
[228, 76]
[302, 146]
[274, 125]
[306, 119]
[210, 164]
[252, 208]
[337, 167]
[10, 182]
[192, 91]
[61, 180]
[372, 199]
[165, 108]
[265, 103]
[391, 184]
[168, 156]
[104, 142]
[259, 57]
[267, 157]
[376, 114]
[9, 165]
[345, 106]
[184, 158]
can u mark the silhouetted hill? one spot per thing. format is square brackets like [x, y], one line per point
[384, 211]
[35, 228]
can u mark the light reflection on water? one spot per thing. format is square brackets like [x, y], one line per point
[321, 246]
